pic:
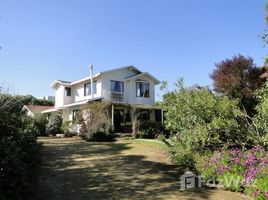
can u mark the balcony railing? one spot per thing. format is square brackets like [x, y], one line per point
[117, 96]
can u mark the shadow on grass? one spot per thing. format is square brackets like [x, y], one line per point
[80, 170]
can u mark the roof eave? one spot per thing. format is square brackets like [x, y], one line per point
[54, 84]
[156, 81]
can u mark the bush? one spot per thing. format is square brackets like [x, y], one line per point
[96, 125]
[18, 150]
[260, 120]
[238, 170]
[181, 154]
[100, 132]
[69, 129]
[150, 130]
[203, 120]
[54, 124]
[40, 122]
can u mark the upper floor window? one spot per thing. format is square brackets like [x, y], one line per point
[68, 91]
[87, 88]
[117, 86]
[143, 89]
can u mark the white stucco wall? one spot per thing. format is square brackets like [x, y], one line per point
[59, 96]
[78, 91]
[104, 89]
[119, 75]
[65, 114]
[133, 99]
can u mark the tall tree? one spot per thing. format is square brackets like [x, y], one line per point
[238, 77]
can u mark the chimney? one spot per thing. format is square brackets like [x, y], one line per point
[91, 81]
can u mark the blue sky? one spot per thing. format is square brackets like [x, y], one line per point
[57, 39]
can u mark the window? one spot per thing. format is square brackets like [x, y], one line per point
[68, 91]
[87, 88]
[117, 86]
[142, 89]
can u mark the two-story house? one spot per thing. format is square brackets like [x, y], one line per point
[125, 88]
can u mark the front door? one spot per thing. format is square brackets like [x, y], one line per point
[118, 119]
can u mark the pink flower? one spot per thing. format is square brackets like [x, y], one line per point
[249, 175]
[235, 152]
[266, 194]
[256, 193]
[222, 169]
[236, 160]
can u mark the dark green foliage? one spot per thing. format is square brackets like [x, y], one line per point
[96, 125]
[100, 132]
[54, 124]
[203, 120]
[151, 130]
[260, 120]
[18, 149]
[31, 100]
[40, 122]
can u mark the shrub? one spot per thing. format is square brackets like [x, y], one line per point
[100, 132]
[260, 120]
[203, 120]
[40, 122]
[54, 124]
[150, 130]
[238, 170]
[96, 125]
[69, 129]
[181, 154]
[18, 149]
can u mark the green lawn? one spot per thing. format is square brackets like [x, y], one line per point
[127, 169]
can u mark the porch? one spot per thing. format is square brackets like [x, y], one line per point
[123, 116]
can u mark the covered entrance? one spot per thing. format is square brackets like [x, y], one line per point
[124, 115]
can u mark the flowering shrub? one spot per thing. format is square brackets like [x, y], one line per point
[238, 170]
[96, 125]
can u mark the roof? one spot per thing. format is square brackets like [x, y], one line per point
[95, 76]
[79, 103]
[145, 74]
[35, 109]
[50, 110]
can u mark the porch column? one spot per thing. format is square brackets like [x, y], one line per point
[113, 115]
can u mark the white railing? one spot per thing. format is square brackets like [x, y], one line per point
[116, 96]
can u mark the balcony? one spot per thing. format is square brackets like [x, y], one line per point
[117, 96]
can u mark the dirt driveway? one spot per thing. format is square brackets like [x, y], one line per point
[75, 169]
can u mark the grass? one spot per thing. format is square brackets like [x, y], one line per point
[153, 142]
[126, 169]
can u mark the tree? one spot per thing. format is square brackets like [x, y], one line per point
[238, 77]
[18, 149]
[31, 100]
[260, 120]
[201, 119]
